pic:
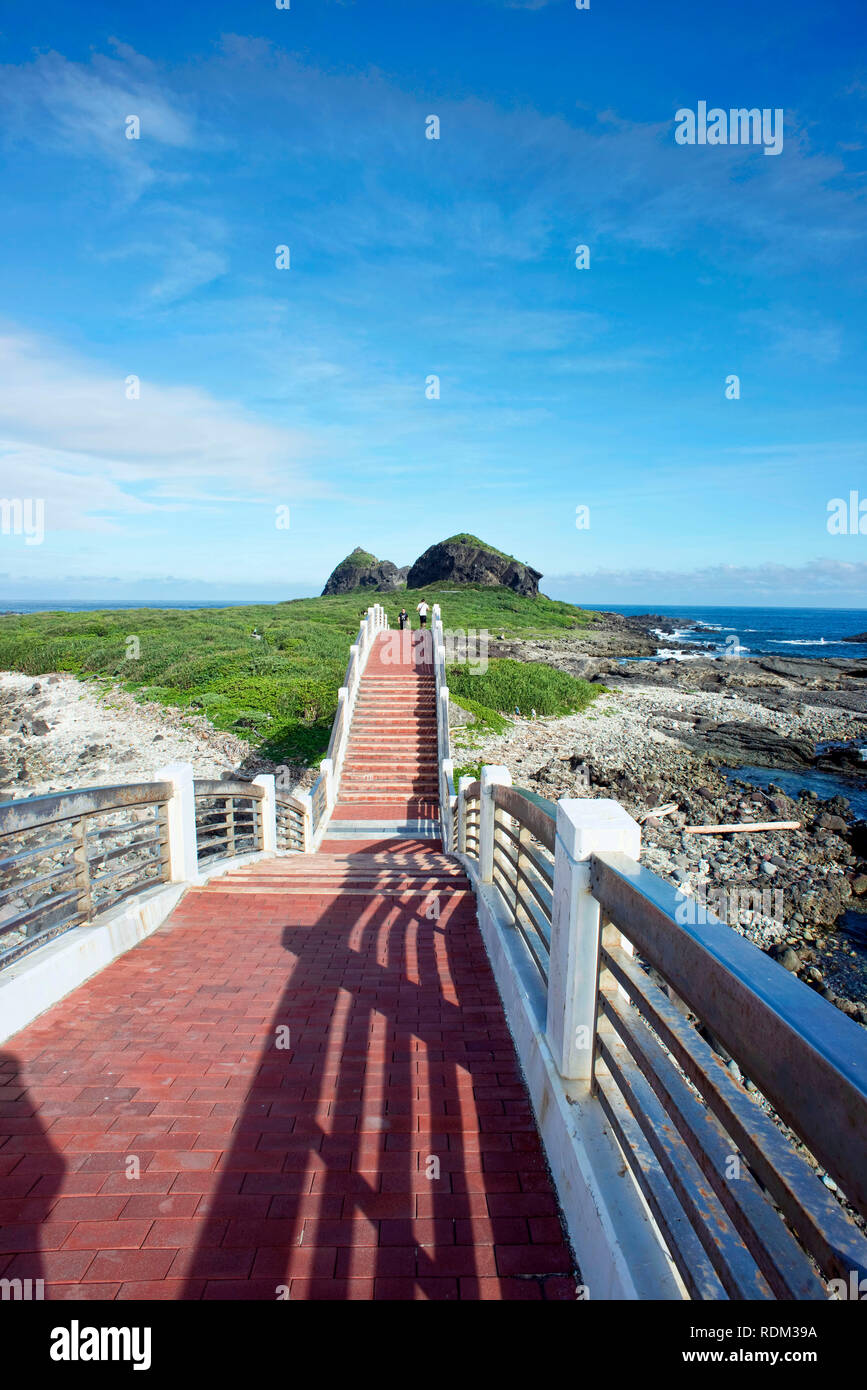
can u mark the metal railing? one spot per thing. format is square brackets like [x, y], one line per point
[67, 857]
[523, 865]
[292, 823]
[648, 1011]
[319, 800]
[228, 819]
[800, 1053]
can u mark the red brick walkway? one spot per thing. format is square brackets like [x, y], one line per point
[158, 1142]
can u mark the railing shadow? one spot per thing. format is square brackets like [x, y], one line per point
[31, 1175]
[374, 1163]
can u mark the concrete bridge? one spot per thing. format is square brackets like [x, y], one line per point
[398, 1040]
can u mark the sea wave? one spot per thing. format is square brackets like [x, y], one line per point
[807, 641]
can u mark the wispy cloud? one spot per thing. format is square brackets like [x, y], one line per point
[82, 108]
[69, 433]
[819, 576]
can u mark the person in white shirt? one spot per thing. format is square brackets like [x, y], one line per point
[423, 610]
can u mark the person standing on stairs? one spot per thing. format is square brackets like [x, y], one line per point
[403, 618]
[423, 610]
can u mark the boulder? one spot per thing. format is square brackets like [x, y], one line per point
[464, 559]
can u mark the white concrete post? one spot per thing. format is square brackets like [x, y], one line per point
[491, 777]
[267, 812]
[466, 781]
[181, 818]
[584, 827]
[326, 767]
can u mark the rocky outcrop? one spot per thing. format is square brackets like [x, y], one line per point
[361, 570]
[465, 559]
[744, 742]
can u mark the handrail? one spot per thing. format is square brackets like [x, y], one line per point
[234, 787]
[801, 1052]
[29, 813]
[538, 815]
[54, 884]
[737, 1204]
[229, 788]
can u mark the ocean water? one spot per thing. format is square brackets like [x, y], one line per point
[67, 605]
[691, 632]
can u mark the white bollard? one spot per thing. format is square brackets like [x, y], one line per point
[491, 777]
[181, 818]
[584, 827]
[267, 812]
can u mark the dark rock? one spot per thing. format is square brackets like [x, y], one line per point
[739, 743]
[465, 559]
[825, 822]
[787, 958]
[361, 570]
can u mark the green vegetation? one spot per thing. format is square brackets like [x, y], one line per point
[279, 691]
[526, 685]
[464, 538]
[359, 557]
[473, 770]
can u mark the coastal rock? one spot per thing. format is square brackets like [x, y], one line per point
[739, 743]
[464, 559]
[361, 570]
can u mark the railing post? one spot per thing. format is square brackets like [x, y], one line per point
[491, 777]
[446, 776]
[326, 767]
[584, 827]
[342, 713]
[465, 781]
[306, 821]
[267, 812]
[181, 822]
[82, 867]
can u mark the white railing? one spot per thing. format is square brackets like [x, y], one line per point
[324, 791]
[445, 765]
[648, 1019]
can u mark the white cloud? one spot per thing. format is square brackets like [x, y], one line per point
[68, 433]
[816, 576]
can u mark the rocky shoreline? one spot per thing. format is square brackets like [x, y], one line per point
[58, 733]
[667, 732]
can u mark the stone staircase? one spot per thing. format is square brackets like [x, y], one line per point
[389, 782]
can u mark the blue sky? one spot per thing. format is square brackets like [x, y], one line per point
[305, 388]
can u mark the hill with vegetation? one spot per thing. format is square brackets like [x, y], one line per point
[464, 559]
[361, 570]
[278, 688]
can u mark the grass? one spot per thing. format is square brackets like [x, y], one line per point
[525, 685]
[464, 538]
[279, 692]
